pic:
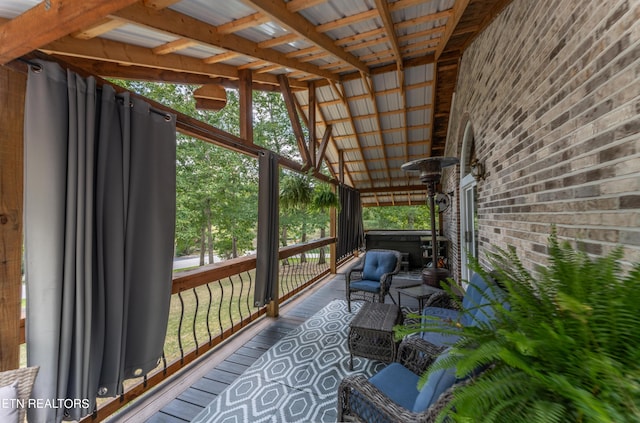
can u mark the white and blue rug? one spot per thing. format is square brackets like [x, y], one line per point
[297, 379]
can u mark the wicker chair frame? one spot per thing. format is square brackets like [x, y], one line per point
[355, 274]
[416, 354]
[25, 376]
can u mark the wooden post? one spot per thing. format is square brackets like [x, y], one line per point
[273, 308]
[246, 105]
[12, 94]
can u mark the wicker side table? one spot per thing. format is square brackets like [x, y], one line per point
[371, 332]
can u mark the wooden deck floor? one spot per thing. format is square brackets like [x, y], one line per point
[190, 391]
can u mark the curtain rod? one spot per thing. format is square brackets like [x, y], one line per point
[184, 123]
[37, 67]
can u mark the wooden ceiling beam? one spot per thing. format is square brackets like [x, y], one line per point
[340, 94]
[362, 36]
[221, 57]
[101, 27]
[411, 23]
[173, 46]
[299, 5]
[387, 21]
[296, 23]
[365, 44]
[369, 85]
[180, 25]
[458, 9]
[98, 49]
[159, 4]
[249, 21]
[278, 41]
[28, 31]
[419, 34]
[399, 188]
[349, 20]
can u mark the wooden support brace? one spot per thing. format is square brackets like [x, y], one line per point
[287, 94]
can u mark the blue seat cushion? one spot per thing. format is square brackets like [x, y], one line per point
[365, 285]
[438, 382]
[377, 263]
[398, 383]
[432, 316]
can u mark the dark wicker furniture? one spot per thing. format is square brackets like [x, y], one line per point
[371, 332]
[359, 400]
[420, 292]
[373, 274]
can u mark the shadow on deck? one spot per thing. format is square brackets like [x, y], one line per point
[184, 396]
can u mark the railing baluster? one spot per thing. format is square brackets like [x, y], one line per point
[220, 309]
[249, 293]
[209, 312]
[180, 327]
[195, 319]
[240, 298]
[230, 304]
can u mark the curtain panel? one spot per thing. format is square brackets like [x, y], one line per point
[268, 223]
[350, 225]
[99, 238]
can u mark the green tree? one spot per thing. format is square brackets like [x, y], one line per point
[397, 217]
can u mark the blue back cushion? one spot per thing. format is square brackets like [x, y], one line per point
[478, 299]
[377, 263]
[431, 317]
[438, 382]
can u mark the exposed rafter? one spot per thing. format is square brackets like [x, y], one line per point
[294, 22]
[61, 20]
[175, 23]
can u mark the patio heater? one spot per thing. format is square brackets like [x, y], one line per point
[430, 169]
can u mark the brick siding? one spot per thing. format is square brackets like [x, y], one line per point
[552, 91]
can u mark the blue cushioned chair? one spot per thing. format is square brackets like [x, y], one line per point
[373, 274]
[476, 303]
[392, 395]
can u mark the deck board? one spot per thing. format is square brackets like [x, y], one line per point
[182, 409]
[200, 393]
[197, 396]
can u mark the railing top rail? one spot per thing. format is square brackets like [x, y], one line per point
[216, 271]
[292, 250]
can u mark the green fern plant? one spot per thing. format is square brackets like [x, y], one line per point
[566, 350]
[296, 192]
[324, 197]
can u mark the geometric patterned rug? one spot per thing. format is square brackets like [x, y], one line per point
[297, 379]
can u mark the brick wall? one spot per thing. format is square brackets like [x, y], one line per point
[552, 90]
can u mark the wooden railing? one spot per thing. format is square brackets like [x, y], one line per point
[211, 303]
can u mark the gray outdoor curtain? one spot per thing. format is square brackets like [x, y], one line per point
[350, 225]
[268, 223]
[99, 234]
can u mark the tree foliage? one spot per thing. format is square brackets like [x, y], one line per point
[397, 217]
